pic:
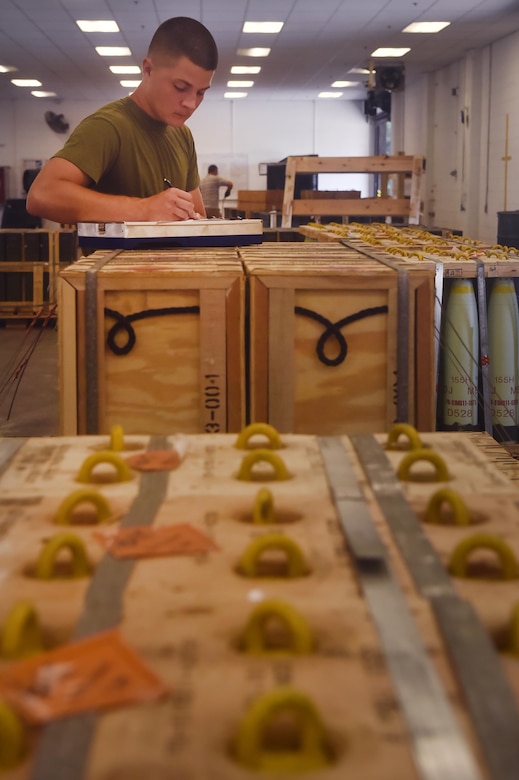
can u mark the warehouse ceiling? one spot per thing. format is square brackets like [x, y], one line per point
[320, 42]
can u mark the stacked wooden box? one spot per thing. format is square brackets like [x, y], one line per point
[253, 201]
[306, 374]
[402, 670]
[153, 341]
[29, 266]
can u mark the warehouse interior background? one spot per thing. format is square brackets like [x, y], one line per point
[454, 105]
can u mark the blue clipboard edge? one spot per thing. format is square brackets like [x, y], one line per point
[168, 242]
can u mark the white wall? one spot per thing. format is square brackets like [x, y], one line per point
[236, 135]
[457, 118]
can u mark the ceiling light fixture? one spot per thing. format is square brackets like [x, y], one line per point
[243, 69]
[330, 94]
[113, 51]
[240, 83]
[341, 84]
[235, 94]
[390, 52]
[129, 83]
[92, 25]
[7, 68]
[121, 70]
[39, 94]
[262, 27]
[26, 82]
[425, 27]
[255, 51]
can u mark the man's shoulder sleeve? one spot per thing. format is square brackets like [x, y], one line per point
[92, 146]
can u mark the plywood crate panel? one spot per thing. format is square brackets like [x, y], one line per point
[326, 327]
[152, 341]
[185, 617]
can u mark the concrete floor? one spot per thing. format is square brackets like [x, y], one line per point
[29, 397]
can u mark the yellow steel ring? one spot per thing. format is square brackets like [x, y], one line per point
[249, 746]
[259, 429]
[21, 633]
[117, 438]
[12, 737]
[254, 635]
[263, 507]
[124, 473]
[248, 564]
[257, 456]
[44, 569]
[441, 472]
[459, 559]
[82, 496]
[433, 511]
[403, 429]
[512, 633]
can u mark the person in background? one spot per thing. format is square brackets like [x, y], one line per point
[134, 159]
[210, 189]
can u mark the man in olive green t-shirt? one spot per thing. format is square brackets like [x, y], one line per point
[134, 159]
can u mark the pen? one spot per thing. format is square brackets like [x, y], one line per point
[167, 182]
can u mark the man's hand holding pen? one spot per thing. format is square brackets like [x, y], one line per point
[170, 205]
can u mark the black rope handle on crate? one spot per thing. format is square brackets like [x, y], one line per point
[124, 323]
[333, 330]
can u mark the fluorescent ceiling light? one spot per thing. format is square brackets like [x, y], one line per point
[26, 82]
[330, 94]
[37, 93]
[113, 51]
[255, 51]
[235, 94]
[362, 71]
[262, 27]
[129, 83]
[120, 70]
[7, 68]
[240, 83]
[389, 52]
[245, 69]
[425, 27]
[345, 84]
[91, 25]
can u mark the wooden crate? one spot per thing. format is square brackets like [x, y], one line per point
[388, 685]
[26, 272]
[259, 200]
[389, 204]
[183, 310]
[306, 377]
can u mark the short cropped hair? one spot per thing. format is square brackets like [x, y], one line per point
[212, 169]
[183, 36]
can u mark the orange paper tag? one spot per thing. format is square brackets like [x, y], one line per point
[146, 542]
[95, 673]
[154, 460]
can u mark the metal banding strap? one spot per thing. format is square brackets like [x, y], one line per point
[350, 503]
[91, 345]
[483, 345]
[439, 748]
[422, 560]
[65, 744]
[438, 303]
[489, 698]
[8, 449]
[402, 358]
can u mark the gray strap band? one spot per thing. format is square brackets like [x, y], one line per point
[65, 744]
